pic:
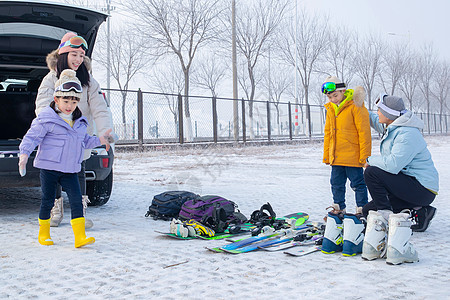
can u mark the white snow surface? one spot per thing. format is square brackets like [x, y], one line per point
[130, 260]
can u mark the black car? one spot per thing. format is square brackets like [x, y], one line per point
[29, 30]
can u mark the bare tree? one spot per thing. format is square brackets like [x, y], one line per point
[311, 42]
[278, 83]
[427, 69]
[83, 3]
[178, 28]
[169, 79]
[340, 53]
[367, 63]
[442, 86]
[209, 73]
[126, 60]
[395, 63]
[255, 25]
[409, 81]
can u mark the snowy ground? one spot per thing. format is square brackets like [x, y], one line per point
[130, 260]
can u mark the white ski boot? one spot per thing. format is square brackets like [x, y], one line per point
[375, 240]
[57, 213]
[399, 249]
[353, 235]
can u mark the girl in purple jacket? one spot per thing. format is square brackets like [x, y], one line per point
[60, 132]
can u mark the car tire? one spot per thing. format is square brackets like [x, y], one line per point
[99, 191]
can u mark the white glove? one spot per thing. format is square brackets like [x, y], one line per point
[106, 139]
[23, 158]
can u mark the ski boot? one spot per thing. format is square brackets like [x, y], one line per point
[199, 228]
[57, 212]
[332, 239]
[353, 234]
[375, 240]
[399, 249]
[422, 218]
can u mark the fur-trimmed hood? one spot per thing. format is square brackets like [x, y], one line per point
[52, 59]
[359, 94]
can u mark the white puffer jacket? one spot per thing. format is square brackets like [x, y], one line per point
[92, 103]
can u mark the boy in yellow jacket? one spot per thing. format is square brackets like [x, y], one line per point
[347, 144]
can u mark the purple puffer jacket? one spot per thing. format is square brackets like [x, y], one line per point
[61, 147]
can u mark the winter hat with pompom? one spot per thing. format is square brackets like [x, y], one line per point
[68, 84]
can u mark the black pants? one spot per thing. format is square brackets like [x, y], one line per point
[81, 180]
[69, 181]
[394, 191]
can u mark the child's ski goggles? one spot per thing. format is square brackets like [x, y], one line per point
[75, 42]
[69, 86]
[380, 104]
[329, 87]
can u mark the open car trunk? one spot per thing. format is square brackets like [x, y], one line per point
[29, 31]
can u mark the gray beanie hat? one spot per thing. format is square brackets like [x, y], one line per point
[391, 107]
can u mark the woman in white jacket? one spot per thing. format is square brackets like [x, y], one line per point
[71, 55]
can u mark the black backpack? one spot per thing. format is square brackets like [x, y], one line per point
[167, 205]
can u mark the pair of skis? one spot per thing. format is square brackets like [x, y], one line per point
[278, 241]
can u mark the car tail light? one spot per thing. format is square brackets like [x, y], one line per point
[105, 162]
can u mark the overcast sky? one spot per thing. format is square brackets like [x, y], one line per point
[417, 21]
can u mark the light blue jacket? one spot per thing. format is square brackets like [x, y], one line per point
[61, 147]
[403, 149]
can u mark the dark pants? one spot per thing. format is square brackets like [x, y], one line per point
[81, 180]
[394, 191]
[339, 175]
[69, 182]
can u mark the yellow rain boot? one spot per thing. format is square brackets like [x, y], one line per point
[44, 233]
[78, 226]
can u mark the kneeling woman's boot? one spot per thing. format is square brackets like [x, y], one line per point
[78, 226]
[399, 249]
[375, 240]
[44, 233]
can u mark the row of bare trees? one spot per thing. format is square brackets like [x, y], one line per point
[284, 55]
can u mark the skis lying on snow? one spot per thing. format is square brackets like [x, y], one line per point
[282, 237]
[291, 244]
[308, 234]
[296, 219]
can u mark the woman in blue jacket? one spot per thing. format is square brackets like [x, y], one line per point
[402, 177]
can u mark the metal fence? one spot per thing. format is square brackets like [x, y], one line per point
[156, 118]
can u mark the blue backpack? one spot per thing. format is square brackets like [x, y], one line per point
[167, 205]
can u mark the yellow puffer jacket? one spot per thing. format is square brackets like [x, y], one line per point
[347, 140]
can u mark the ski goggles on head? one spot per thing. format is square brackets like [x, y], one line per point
[75, 42]
[329, 87]
[380, 104]
[69, 86]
